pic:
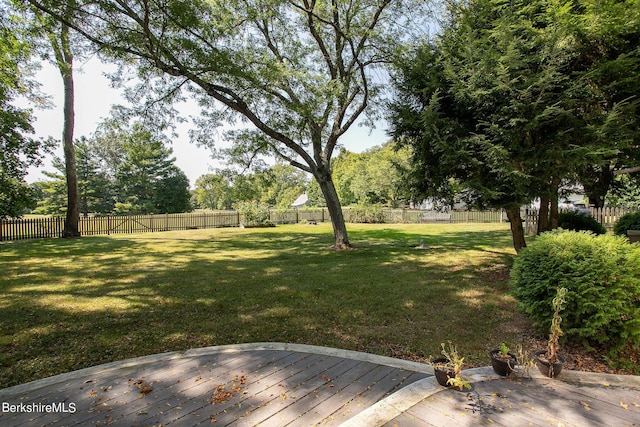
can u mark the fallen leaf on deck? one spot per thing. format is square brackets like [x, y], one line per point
[146, 389]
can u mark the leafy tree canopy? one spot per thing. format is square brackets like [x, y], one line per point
[299, 72]
[275, 186]
[498, 103]
[18, 148]
[376, 176]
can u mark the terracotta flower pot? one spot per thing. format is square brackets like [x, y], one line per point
[546, 368]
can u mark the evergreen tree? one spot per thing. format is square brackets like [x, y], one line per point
[172, 193]
[493, 103]
[53, 192]
[146, 167]
[95, 189]
[606, 73]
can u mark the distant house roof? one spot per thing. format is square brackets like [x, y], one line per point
[302, 200]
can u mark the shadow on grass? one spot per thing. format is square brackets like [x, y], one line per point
[72, 304]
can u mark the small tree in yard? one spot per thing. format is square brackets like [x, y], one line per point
[299, 72]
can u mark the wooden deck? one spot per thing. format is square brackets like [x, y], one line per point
[535, 402]
[292, 385]
[266, 387]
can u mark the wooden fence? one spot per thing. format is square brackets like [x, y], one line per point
[605, 216]
[37, 228]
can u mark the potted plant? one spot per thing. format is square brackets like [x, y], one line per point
[549, 362]
[448, 368]
[525, 362]
[502, 360]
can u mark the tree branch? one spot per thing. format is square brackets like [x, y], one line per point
[627, 171]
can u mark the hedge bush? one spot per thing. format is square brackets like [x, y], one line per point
[368, 214]
[578, 221]
[253, 213]
[630, 221]
[602, 276]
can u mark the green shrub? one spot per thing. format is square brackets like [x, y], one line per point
[361, 213]
[602, 276]
[578, 221]
[630, 221]
[253, 213]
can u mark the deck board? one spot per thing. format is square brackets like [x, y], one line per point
[528, 402]
[301, 399]
[332, 403]
[262, 387]
[293, 385]
[274, 394]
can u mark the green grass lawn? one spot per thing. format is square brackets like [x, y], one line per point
[70, 304]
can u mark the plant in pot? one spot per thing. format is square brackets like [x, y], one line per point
[549, 362]
[502, 360]
[525, 362]
[448, 368]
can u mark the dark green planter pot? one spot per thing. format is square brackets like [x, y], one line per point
[442, 375]
[547, 369]
[502, 366]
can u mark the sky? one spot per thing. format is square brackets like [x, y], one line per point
[94, 98]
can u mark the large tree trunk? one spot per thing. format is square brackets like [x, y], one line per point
[65, 64]
[334, 207]
[596, 183]
[551, 207]
[517, 230]
[543, 215]
[554, 211]
[71, 224]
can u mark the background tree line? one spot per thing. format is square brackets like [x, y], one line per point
[375, 176]
[130, 172]
[119, 171]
